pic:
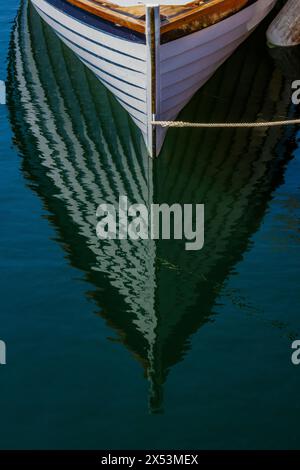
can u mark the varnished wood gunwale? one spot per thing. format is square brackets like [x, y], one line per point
[109, 14]
[176, 20]
[200, 18]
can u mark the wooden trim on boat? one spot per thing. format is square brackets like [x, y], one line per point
[176, 20]
[115, 15]
[200, 18]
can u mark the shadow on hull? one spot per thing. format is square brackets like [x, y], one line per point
[80, 149]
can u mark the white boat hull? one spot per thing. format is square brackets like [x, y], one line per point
[123, 63]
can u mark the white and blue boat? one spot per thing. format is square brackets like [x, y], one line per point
[79, 148]
[153, 55]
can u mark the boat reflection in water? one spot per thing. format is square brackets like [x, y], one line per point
[80, 149]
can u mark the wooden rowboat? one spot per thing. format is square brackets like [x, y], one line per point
[153, 58]
[79, 149]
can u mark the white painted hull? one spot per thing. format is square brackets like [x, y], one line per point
[183, 65]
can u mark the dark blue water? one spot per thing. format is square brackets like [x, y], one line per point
[145, 346]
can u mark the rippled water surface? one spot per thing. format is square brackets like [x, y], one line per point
[123, 344]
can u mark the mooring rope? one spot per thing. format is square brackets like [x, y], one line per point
[216, 125]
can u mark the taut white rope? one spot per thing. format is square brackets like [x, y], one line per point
[216, 125]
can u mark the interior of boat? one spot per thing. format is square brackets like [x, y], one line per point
[176, 20]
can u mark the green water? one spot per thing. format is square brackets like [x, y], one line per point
[123, 344]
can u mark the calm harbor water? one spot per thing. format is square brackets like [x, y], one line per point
[143, 344]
